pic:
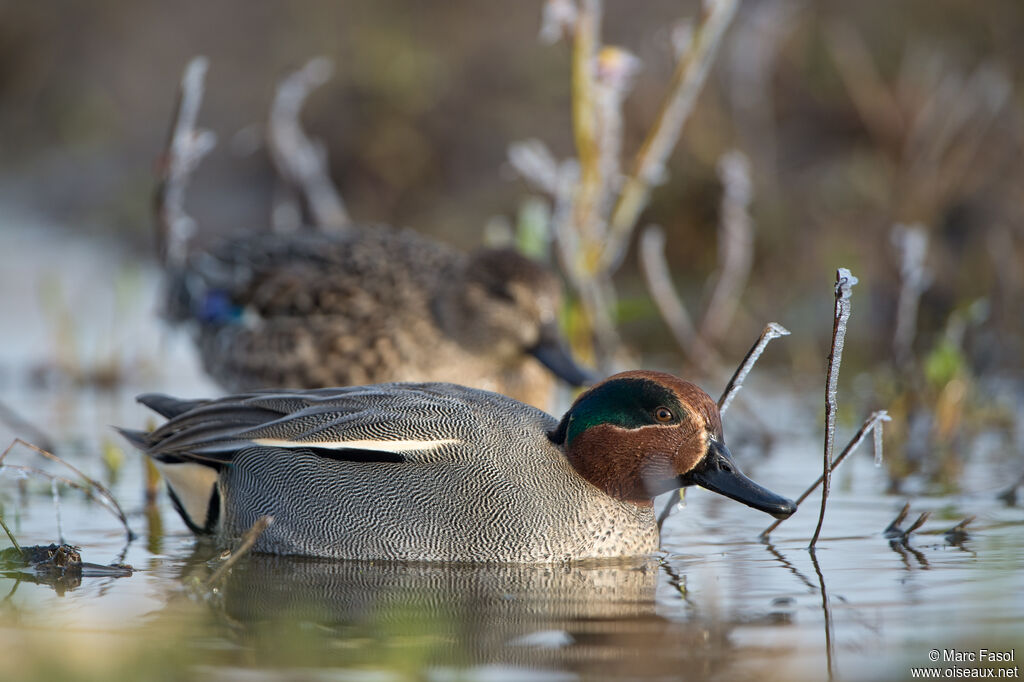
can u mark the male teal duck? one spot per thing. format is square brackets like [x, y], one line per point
[369, 305]
[440, 472]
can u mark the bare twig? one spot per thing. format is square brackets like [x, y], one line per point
[735, 246]
[772, 330]
[670, 305]
[844, 286]
[958, 533]
[893, 530]
[11, 536]
[302, 162]
[917, 524]
[678, 497]
[648, 167]
[104, 496]
[186, 146]
[911, 243]
[535, 163]
[248, 540]
[872, 423]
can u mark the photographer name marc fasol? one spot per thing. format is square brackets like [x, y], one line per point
[978, 656]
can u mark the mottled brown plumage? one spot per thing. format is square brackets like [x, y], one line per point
[371, 304]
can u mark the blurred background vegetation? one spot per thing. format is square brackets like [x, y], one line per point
[855, 118]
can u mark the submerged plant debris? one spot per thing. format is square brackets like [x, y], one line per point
[56, 561]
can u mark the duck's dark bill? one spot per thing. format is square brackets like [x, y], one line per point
[718, 473]
[552, 353]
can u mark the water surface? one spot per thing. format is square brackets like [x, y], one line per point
[718, 603]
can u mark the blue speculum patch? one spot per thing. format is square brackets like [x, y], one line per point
[216, 307]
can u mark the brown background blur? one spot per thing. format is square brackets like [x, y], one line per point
[856, 116]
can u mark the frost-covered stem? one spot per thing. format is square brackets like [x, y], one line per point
[911, 243]
[872, 423]
[586, 42]
[648, 166]
[670, 305]
[843, 289]
[735, 245]
[772, 330]
[302, 162]
[185, 148]
[248, 540]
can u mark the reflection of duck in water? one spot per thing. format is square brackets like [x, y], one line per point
[372, 304]
[593, 618]
[444, 472]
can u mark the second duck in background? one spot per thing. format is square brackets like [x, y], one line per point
[372, 304]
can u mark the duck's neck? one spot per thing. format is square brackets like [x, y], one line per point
[612, 464]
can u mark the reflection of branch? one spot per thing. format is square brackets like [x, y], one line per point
[648, 167]
[185, 148]
[302, 162]
[671, 307]
[843, 290]
[827, 610]
[772, 330]
[735, 245]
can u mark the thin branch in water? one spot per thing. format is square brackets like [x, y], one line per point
[917, 524]
[735, 245]
[670, 305]
[958, 533]
[302, 162]
[93, 488]
[893, 530]
[772, 330]
[186, 146]
[677, 498]
[248, 540]
[872, 423]
[911, 243]
[649, 165]
[843, 289]
[10, 535]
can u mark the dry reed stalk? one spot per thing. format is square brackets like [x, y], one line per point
[186, 146]
[735, 245]
[300, 161]
[911, 244]
[670, 305]
[843, 289]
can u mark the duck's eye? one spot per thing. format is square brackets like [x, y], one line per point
[663, 414]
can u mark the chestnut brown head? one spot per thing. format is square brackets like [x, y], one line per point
[638, 434]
